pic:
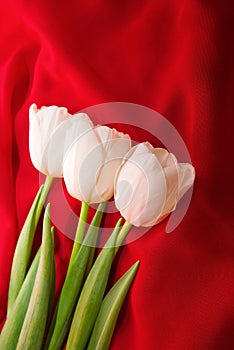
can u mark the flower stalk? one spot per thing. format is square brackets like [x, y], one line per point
[80, 230]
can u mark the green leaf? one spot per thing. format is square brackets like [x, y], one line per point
[72, 286]
[108, 314]
[24, 244]
[91, 296]
[90, 261]
[32, 333]
[12, 327]
[52, 285]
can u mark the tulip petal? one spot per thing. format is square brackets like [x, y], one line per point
[42, 123]
[48, 119]
[115, 145]
[35, 139]
[51, 132]
[81, 165]
[170, 167]
[162, 154]
[149, 183]
[140, 189]
[91, 162]
[186, 178]
[61, 138]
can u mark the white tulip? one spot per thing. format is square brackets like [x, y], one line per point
[91, 162]
[51, 132]
[149, 183]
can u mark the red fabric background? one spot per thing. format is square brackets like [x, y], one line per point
[177, 58]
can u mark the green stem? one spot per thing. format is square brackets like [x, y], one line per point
[95, 222]
[122, 235]
[80, 231]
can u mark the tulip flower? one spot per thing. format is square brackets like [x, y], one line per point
[149, 183]
[51, 131]
[91, 162]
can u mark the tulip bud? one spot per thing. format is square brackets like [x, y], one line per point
[91, 162]
[149, 183]
[51, 131]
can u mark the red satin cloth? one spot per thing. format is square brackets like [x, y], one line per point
[175, 57]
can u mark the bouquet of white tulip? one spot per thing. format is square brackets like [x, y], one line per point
[96, 162]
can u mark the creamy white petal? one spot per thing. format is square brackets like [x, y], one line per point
[42, 124]
[115, 145]
[91, 163]
[80, 167]
[186, 178]
[48, 118]
[35, 143]
[169, 163]
[149, 184]
[61, 139]
[140, 189]
[162, 154]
